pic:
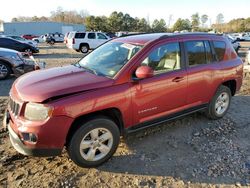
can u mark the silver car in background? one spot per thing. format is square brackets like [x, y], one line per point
[13, 62]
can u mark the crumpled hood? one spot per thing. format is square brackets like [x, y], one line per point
[38, 86]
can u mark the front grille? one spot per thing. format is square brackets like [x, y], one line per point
[14, 107]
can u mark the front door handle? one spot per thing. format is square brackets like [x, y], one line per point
[178, 79]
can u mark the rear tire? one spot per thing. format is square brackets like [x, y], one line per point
[94, 142]
[5, 70]
[84, 48]
[220, 103]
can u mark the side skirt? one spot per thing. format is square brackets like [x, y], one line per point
[164, 119]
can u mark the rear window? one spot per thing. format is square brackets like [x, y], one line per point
[220, 48]
[80, 35]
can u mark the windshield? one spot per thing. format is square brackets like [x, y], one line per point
[109, 58]
[18, 38]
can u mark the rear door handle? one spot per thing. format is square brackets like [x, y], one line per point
[178, 79]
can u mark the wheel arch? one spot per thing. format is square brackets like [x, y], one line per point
[231, 84]
[82, 44]
[8, 63]
[112, 113]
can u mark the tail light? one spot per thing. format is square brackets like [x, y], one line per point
[73, 41]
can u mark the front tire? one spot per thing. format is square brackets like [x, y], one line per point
[5, 70]
[94, 142]
[220, 103]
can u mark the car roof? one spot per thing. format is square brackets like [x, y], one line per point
[142, 39]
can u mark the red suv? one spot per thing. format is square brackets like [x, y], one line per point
[124, 85]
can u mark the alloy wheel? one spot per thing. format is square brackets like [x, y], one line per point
[3, 70]
[96, 144]
[222, 103]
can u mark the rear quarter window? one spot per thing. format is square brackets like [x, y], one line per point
[220, 48]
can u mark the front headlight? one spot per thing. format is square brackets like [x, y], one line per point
[37, 112]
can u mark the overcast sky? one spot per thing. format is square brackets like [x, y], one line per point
[152, 9]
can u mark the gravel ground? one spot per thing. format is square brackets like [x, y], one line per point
[189, 152]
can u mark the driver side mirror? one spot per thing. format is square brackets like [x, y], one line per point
[144, 72]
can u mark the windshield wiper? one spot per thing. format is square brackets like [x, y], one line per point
[90, 70]
[86, 68]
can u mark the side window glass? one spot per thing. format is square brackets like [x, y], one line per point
[220, 48]
[80, 35]
[91, 35]
[196, 53]
[101, 36]
[164, 58]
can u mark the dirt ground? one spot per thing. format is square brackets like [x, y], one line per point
[189, 152]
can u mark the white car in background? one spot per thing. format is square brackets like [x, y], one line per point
[238, 36]
[241, 36]
[85, 41]
[54, 37]
[246, 37]
[39, 39]
[23, 40]
[247, 63]
[248, 57]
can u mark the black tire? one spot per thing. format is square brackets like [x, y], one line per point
[84, 48]
[52, 42]
[99, 123]
[212, 111]
[5, 70]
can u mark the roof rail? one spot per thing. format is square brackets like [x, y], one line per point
[189, 34]
[133, 34]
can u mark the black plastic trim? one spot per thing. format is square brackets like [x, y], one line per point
[164, 119]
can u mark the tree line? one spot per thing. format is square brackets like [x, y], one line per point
[118, 21]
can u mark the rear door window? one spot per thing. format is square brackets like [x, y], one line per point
[220, 48]
[196, 53]
[80, 35]
[91, 35]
